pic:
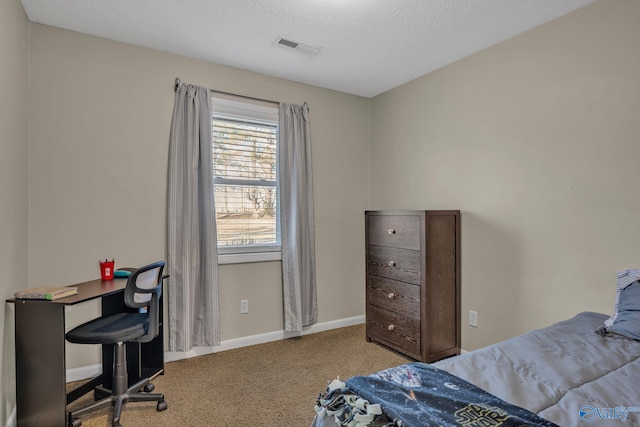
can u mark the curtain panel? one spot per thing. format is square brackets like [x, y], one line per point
[296, 218]
[192, 253]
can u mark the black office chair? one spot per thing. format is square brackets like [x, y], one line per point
[143, 289]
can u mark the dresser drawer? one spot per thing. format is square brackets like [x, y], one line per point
[391, 295]
[394, 263]
[394, 330]
[396, 231]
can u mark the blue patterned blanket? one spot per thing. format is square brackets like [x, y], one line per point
[419, 395]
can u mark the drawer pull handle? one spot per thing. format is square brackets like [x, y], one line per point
[391, 231]
[391, 263]
[391, 327]
[391, 295]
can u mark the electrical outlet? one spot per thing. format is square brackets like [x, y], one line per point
[473, 318]
[244, 306]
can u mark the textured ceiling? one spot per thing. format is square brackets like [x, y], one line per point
[368, 46]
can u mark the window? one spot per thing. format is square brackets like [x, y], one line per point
[245, 179]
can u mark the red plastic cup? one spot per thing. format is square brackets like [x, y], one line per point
[106, 269]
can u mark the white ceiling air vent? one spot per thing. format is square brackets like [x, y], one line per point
[299, 46]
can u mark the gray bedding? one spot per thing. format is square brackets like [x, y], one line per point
[565, 373]
[558, 370]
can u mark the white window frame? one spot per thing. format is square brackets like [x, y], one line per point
[224, 106]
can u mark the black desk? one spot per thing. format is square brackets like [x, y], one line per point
[41, 396]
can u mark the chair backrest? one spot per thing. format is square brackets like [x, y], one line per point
[144, 288]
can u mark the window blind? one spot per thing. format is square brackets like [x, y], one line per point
[245, 181]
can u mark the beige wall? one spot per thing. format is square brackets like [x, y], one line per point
[100, 114]
[13, 182]
[536, 141]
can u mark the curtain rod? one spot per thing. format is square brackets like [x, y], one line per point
[178, 83]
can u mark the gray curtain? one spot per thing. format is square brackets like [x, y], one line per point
[192, 248]
[296, 218]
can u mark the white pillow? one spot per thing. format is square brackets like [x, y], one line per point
[624, 279]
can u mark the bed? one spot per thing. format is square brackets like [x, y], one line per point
[566, 374]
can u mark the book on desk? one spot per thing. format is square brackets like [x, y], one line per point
[47, 293]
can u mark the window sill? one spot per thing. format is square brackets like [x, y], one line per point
[248, 257]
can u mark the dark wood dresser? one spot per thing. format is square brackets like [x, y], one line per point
[413, 282]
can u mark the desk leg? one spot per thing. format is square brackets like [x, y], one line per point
[40, 364]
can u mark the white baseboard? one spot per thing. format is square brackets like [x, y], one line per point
[171, 356]
[85, 372]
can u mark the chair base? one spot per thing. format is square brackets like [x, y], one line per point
[133, 394]
[120, 393]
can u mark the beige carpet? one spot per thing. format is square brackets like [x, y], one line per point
[273, 384]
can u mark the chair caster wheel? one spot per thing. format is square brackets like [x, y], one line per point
[74, 422]
[162, 406]
[148, 388]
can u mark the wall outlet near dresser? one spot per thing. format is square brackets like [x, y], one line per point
[244, 306]
[473, 318]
